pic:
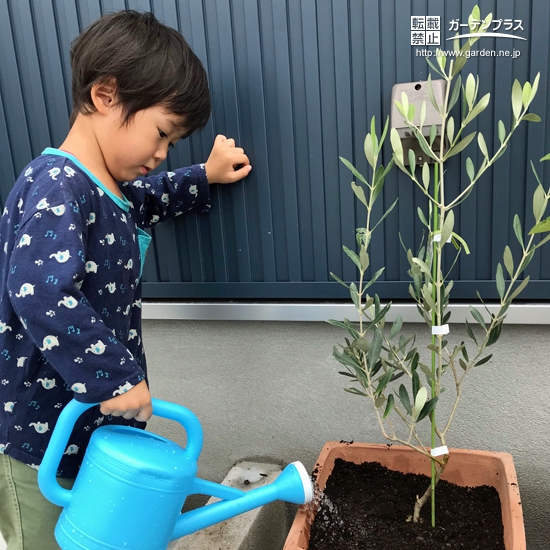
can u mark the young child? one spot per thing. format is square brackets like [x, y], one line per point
[72, 247]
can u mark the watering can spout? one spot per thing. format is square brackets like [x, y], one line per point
[292, 485]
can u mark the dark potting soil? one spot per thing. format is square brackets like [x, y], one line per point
[369, 504]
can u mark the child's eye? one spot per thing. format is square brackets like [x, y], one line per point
[163, 135]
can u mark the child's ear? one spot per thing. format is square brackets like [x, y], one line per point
[103, 95]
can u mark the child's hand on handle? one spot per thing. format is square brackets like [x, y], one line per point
[226, 163]
[135, 403]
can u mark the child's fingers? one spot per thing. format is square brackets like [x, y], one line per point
[227, 163]
[131, 404]
[129, 414]
[118, 411]
[144, 414]
[237, 175]
[239, 159]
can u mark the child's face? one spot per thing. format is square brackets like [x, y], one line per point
[134, 149]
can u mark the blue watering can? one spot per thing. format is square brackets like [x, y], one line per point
[132, 484]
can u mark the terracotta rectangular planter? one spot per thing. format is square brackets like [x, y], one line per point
[465, 468]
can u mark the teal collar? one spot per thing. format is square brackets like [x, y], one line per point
[121, 203]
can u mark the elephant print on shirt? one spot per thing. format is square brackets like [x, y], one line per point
[40, 427]
[68, 301]
[25, 240]
[72, 449]
[49, 343]
[61, 256]
[123, 389]
[90, 267]
[79, 387]
[97, 349]
[26, 290]
[47, 383]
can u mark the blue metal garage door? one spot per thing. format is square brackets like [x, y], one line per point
[295, 83]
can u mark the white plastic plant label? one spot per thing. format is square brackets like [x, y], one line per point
[438, 330]
[437, 238]
[439, 451]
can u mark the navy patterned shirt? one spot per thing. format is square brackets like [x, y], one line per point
[71, 255]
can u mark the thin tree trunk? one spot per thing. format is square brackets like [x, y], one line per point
[426, 496]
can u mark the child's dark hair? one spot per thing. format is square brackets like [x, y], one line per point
[151, 63]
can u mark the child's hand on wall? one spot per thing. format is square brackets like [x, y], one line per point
[135, 403]
[226, 163]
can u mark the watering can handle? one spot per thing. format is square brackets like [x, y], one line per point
[63, 429]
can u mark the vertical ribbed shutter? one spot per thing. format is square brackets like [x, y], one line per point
[295, 83]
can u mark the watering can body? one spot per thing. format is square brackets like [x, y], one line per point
[132, 485]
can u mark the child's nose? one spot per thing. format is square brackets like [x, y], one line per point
[161, 154]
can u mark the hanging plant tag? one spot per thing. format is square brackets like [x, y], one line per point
[438, 330]
[436, 238]
[438, 451]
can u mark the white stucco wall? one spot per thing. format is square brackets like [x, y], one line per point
[271, 390]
